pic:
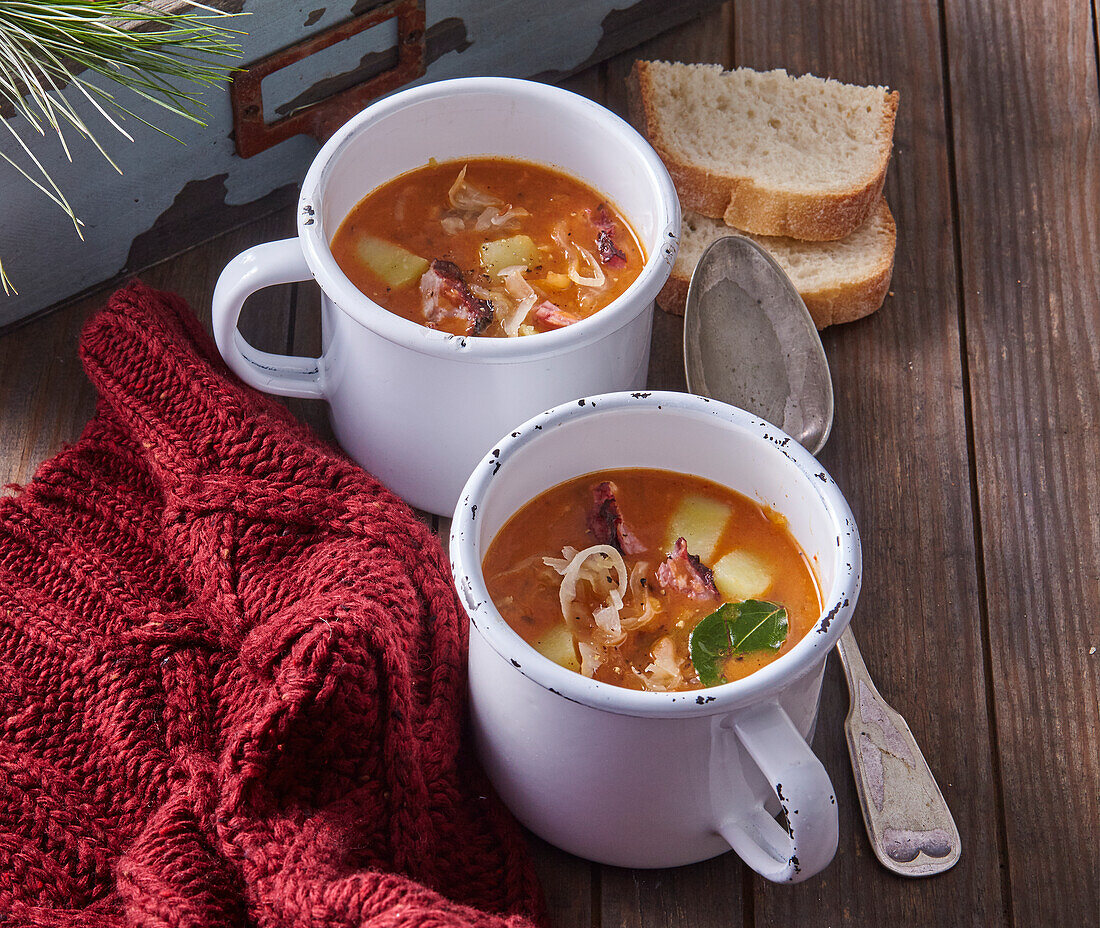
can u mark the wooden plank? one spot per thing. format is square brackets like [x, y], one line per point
[571, 885]
[712, 893]
[623, 29]
[708, 39]
[44, 395]
[567, 884]
[899, 451]
[1026, 123]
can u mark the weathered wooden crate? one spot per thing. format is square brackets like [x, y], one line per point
[310, 64]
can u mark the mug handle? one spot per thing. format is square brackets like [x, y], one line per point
[262, 266]
[805, 794]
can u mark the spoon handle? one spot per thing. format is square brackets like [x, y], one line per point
[910, 827]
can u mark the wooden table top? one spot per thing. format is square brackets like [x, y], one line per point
[967, 440]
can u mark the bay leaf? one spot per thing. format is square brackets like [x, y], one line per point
[735, 628]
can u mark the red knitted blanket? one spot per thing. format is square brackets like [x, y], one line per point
[231, 672]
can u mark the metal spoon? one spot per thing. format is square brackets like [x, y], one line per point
[750, 342]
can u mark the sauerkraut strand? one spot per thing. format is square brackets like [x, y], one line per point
[665, 672]
[638, 593]
[519, 289]
[467, 198]
[493, 219]
[592, 658]
[452, 224]
[603, 557]
[598, 278]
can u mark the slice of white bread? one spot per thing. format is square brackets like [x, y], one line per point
[840, 281]
[768, 153]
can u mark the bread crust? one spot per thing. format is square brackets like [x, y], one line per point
[746, 205]
[827, 306]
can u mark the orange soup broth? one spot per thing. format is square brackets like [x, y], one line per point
[408, 211]
[525, 591]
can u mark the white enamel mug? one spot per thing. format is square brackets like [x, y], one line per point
[416, 406]
[642, 779]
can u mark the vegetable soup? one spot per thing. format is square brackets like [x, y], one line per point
[488, 246]
[652, 580]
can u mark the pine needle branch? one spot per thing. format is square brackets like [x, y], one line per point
[163, 56]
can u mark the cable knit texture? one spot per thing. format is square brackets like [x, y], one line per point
[231, 672]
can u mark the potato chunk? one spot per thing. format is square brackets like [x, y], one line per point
[396, 266]
[509, 252]
[741, 575]
[557, 644]
[700, 520]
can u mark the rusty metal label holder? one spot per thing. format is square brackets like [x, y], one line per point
[319, 120]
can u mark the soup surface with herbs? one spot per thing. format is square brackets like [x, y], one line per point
[488, 246]
[652, 580]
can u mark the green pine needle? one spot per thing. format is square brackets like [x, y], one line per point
[164, 56]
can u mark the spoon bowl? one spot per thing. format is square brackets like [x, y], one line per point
[749, 341]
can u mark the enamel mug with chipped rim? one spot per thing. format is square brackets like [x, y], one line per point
[415, 406]
[643, 779]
